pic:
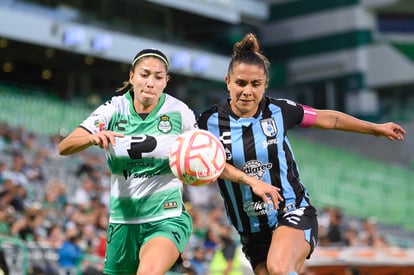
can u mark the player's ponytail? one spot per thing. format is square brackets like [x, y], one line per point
[126, 86]
[248, 51]
[249, 43]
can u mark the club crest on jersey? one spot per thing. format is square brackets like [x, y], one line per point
[269, 127]
[164, 125]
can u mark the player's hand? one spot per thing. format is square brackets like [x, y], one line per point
[269, 193]
[390, 130]
[104, 138]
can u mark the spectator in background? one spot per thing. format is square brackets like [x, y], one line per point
[54, 200]
[17, 169]
[70, 252]
[86, 168]
[351, 237]
[83, 195]
[323, 221]
[14, 139]
[14, 194]
[101, 246]
[25, 190]
[34, 171]
[8, 195]
[4, 268]
[198, 261]
[55, 236]
[30, 226]
[369, 235]
[335, 228]
[334, 232]
[3, 171]
[4, 128]
[203, 197]
[51, 148]
[29, 143]
[200, 227]
[5, 221]
[211, 243]
[105, 188]
[228, 248]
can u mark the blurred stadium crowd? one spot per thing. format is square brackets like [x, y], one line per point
[54, 213]
[54, 210]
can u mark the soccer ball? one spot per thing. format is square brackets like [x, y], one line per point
[197, 157]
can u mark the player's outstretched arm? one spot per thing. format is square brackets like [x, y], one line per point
[335, 120]
[80, 139]
[269, 193]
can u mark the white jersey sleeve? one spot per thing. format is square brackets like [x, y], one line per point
[99, 119]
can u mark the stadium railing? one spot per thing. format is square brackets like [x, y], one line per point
[24, 258]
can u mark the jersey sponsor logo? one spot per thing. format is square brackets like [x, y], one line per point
[141, 144]
[170, 204]
[99, 124]
[256, 168]
[134, 146]
[269, 142]
[225, 138]
[229, 155]
[164, 125]
[134, 175]
[269, 127]
[120, 125]
[257, 208]
[290, 102]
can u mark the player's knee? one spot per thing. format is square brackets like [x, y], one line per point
[280, 268]
[148, 270]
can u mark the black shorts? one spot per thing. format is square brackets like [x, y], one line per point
[256, 246]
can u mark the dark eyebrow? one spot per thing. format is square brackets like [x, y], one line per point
[149, 71]
[241, 80]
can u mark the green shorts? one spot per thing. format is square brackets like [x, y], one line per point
[124, 241]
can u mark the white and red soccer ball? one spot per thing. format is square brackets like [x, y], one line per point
[197, 157]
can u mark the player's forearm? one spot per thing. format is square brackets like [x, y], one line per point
[334, 120]
[233, 174]
[76, 142]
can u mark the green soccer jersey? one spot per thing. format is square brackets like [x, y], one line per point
[143, 189]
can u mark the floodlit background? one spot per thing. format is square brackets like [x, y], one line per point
[61, 59]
